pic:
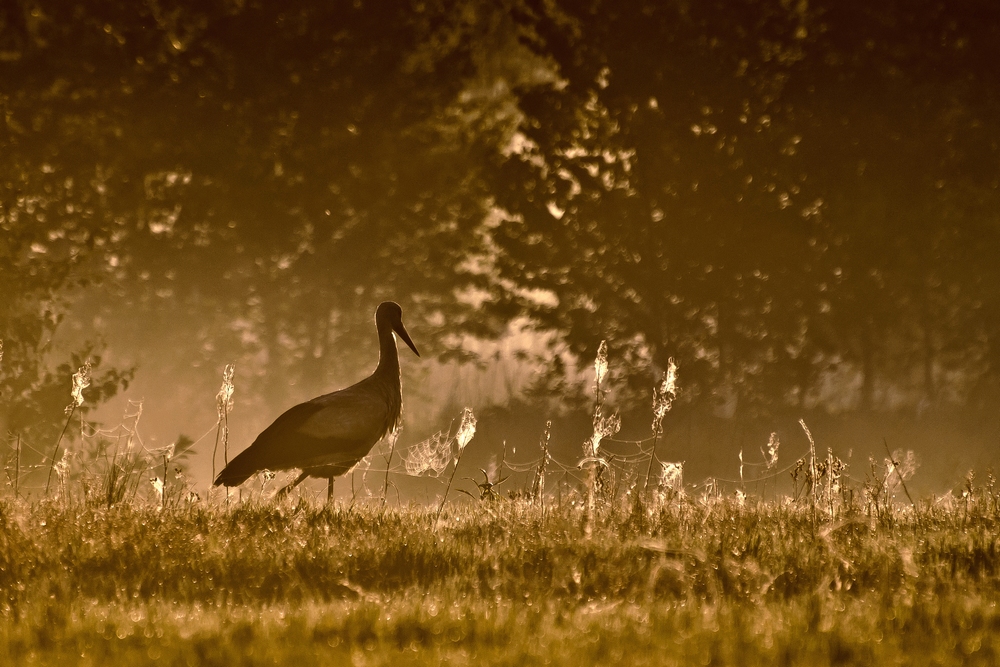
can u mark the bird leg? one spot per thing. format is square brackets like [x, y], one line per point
[329, 490]
[285, 490]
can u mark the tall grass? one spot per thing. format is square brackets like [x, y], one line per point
[608, 567]
[701, 579]
[224, 404]
[81, 380]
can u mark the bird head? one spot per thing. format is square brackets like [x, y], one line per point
[390, 314]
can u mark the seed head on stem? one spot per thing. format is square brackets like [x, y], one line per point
[466, 431]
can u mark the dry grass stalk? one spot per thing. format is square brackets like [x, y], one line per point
[538, 484]
[603, 427]
[466, 431]
[812, 466]
[81, 380]
[663, 399]
[223, 403]
[388, 464]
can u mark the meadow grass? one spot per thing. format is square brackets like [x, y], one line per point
[700, 581]
[610, 569]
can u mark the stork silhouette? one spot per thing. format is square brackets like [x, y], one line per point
[327, 436]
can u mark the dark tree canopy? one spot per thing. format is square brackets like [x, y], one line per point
[782, 195]
[798, 201]
[266, 172]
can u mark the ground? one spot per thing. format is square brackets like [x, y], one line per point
[702, 580]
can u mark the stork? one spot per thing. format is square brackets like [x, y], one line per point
[327, 436]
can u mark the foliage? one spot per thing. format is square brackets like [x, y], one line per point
[268, 172]
[797, 201]
[785, 196]
[291, 166]
[32, 400]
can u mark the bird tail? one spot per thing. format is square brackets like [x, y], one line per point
[238, 471]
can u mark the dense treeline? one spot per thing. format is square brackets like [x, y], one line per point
[799, 201]
[240, 176]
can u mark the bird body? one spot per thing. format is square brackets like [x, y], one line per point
[327, 436]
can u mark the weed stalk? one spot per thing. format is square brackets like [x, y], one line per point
[466, 430]
[895, 466]
[812, 470]
[55, 453]
[663, 399]
[223, 404]
[538, 487]
[388, 464]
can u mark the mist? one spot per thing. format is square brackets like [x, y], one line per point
[796, 203]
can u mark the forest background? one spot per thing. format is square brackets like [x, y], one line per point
[799, 202]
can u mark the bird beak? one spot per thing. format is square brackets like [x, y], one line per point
[401, 330]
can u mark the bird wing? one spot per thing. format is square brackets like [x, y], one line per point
[330, 429]
[355, 414]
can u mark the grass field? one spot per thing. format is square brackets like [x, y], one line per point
[701, 581]
[98, 569]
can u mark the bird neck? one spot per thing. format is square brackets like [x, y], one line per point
[388, 358]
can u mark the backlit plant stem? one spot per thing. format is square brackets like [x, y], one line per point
[55, 454]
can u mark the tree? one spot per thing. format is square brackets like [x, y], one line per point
[270, 172]
[760, 189]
